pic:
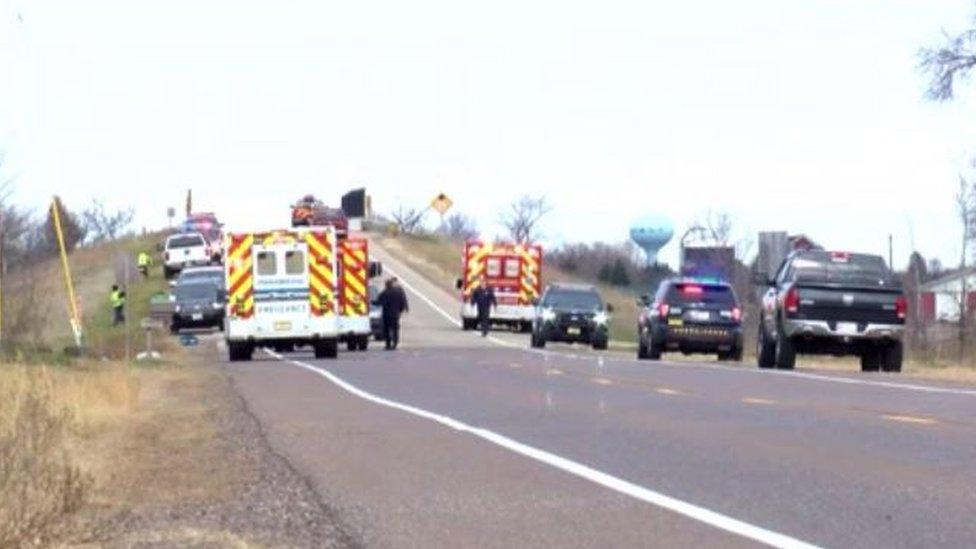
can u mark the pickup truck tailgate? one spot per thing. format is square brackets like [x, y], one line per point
[864, 306]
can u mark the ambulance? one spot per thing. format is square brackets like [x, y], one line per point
[281, 291]
[513, 271]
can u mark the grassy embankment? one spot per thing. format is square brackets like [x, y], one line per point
[438, 259]
[85, 437]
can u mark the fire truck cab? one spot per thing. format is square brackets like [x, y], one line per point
[513, 271]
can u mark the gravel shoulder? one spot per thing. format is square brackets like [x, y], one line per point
[199, 472]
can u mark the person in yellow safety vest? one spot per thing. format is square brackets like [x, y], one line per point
[144, 261]
[117, 300]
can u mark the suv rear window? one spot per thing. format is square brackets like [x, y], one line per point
[714, 294]
[185, 241]
[572, 299]
[841, 268]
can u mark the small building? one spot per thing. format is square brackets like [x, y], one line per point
[939, 299]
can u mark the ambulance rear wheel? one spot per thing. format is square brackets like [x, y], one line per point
[352, 344]
[468, 324]
[239, 351]
[326, 349]
[363, 343]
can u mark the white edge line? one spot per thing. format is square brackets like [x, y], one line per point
[606, 480]
[803, 375]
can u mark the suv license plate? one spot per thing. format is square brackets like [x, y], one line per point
[573, 331]
[282, 326]
[197, 316]
[847, 328]
[700, 316]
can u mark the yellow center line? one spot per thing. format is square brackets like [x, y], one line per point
[910, 419]
[602, 381]
[667, 391]
[754, 400]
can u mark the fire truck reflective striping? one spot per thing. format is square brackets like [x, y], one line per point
[477, 254]
[322, 280]
[239, 275]
[353, 292]
[529, 273]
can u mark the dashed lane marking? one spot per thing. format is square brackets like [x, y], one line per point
[757, 400]
[602, 381]
[910, 419]
[667, 391]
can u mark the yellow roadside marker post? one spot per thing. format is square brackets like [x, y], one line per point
[66, 269]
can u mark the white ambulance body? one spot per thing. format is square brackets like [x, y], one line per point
[281, 288]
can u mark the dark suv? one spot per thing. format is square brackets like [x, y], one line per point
[198, 304]
[572, 314]
[690, 316]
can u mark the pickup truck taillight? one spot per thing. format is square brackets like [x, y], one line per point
[791, 303]
[901, 307]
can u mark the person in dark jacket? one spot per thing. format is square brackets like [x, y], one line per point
[393, 301]
[483, 298]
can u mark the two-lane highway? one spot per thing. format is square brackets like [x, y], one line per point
[455, 440]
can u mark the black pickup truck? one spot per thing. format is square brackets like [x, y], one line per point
[835, 303]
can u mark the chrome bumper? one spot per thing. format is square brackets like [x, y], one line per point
[821, 328]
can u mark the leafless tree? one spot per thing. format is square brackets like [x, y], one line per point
[949, 63]
[523, 216]
[102, 225]
[459, 225]
[966, 209]
[408, 220]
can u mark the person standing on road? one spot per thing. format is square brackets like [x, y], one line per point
[117, 299]
[393, 301]
[483, 298]
[144, 261]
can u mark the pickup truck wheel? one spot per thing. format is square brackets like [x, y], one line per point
[765, 349]
[641, 348]
[892, 356]
[871, 360]
[785, 352]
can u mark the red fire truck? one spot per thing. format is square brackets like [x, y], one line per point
[513, 271]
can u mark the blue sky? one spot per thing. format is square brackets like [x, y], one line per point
[792, 115]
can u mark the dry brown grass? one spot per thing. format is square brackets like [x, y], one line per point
[40, 480]
[103, 438]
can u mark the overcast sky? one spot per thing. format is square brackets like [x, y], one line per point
[805, 116]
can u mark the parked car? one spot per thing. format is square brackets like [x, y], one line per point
[198, 304]
[214, 273]
[185, 250]
[835, 303]
[690, 316]
[571, 313]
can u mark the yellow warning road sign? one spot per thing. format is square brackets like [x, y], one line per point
[441, 203]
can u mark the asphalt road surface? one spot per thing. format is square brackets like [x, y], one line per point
[457, 441]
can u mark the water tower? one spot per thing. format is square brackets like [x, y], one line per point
[651, 233]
